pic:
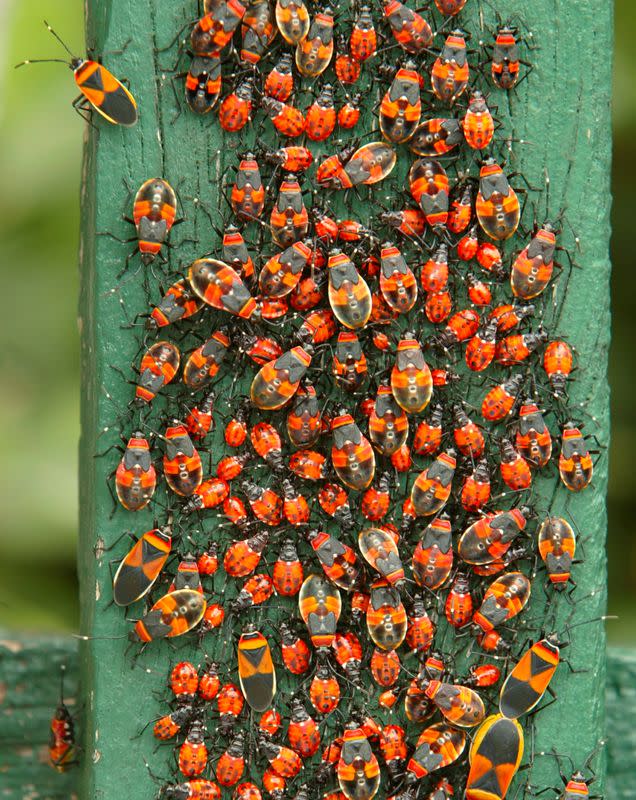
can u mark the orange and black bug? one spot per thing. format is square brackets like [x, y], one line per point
[320, 606]
[505, 59]
[411, 381]
[308, 292]
[436, 137]
[294, 158]
[410, 221]
[428, 183]
[476, 487]
[287, 119]
[135, 478]
[499, 401]
[349, 362]
[169, 725]
[334, 501]
[494, 758]
[266, 505]
[242, 557]
[338, 560]
[248, 193]
[200, 421]
[481, 349]
[394, 748]
[270, 722]
[235, 253]
[363, 42]
[61, 747]
[184, 681]
[204, 363]
[348, 652]
[533, 267]
[257, 31]
[287, 572]
[308, 464]
[433, 554]
[401, 107]
[247, 791]
[213, 617]
[411, 31]
[386, 616]
[187, 575]
[203, 83]
[320, 118]
[397, 282]
[279, 82]
[179, 302]
[236, 109]
[557, 363]
[532, 438]
[99, 88]
[432, 486]
[450, 8]
[479, 292]
[468, 245]
[467, 435]
[557, 546]
[461, 211]
[460, 705]
[257, 675]
[210, 494]
[292, 19]
[504, 599]
[229, 703]
[303, 732]
[215, 30]
[450, 72]
[385, 667]
[421, 628]
[417, 706]
[489, 538]
[514, 469]
[349, 113]
[530, 678]
[428, 434]
[303, 419]
[154, 213]
[497, 205]
[289, 219]
[349, 294]
[314, 52]
[380, 550]
[459, 602]
[575, 462]
[352, 456]
[370, 164]
[220, 286]
[181, 462]
[489, 259]
[478, 124]
[276, 382]
[437, 746]
[230, 467]
[295, 507]
[461, 326]
[331, 171]
[173, 614]
[231, 764]
[158, 367]
[388, 423]
[208, 560]
[283, 760]
[140, 568]
[193, 789]
[358, 770]
[295, 652]
[346, 67]
[267, 443]
[282, 272]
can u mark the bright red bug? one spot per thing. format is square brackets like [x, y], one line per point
[514, 469]
[324, 692]
[248, 193]
[184, 680]
[429, 187]
[303, 733]
[349, 113]
[460, 212]
[505, 59]
[348, 652]
[229, 702]
[481, 349]
[467, 435]
[432, 486]
[295, 506]
[476, 488]
[450, 72]
[279, 83]
[349, 364]
[346, 67]
[235, 110]
[287, 119]
[459, 602]
[532, 439]
[363, 41]
[287, 572]
[200, 421]
[497, 205]
[339, 561]
[557, 363]
[499, 401]
[295, 652]
[193, 753]
[421, 628]
[385, 667]
[267, 443]
[243, 557]
[320, 117]
[231, 765]
[478, 124]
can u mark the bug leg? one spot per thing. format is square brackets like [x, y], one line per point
[82, 107]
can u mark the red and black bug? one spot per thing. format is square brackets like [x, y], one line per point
[235, 110]
[205, 362]
[257, 31]
[320, 118]
[557, 546]
[533, 267]
[287, 119]
[401, 106]
[62, 749]
[410, 29]
[363, 41]
[349, 362]
[135, 477]
[289, 219]
[429, 187]
[248, 193]
[181, 462]
[436, 137]
[292, 19]
[557, 363]
[303, 732]
[505, 59]
[338, 560]
[575, 462]
[179, 302]
[203, 83]
[433, 554]
[450, 72]
[497, 205]
[478, 124]
[140, 568]
[314, 52]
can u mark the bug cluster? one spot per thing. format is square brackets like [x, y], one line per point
[342, 411]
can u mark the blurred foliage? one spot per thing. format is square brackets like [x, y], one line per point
[40, 161]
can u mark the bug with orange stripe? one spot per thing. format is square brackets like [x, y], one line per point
[203, 83]
[411, 381]
[478, 125]
[557, 363]
[489, 538]
[292, 19]
[380, 550]
[349, 362]
[557, 546]
[339, 561]
[386, 616]
[158, 367]
[314, 52]
[433, 554]
[411, 31]
[358, 770]
[352, 456]
[257, 31]
[135, 477]
[530, 678]
[257, 675]
[320, 607]
[437, 746]
[220, 286]
[154, 213]
[349, 294]
[401, 106]
[181, 462]
[62, 750]
[432, 486]
[428, 183]
[140, 568]
[532, 438]
[495, 755]
[575, 462]
[100, 89]
[205, 362]
[247, 198]
[289, 219]
[497, 205]
[303, 418]
[281, 273]
[388, 423]
[172, 615]
[179, 302]
[506, 597]
[277, 381]
[436, 137]
[450, 72]
[397, 282]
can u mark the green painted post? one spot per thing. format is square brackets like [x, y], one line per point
[562, 110]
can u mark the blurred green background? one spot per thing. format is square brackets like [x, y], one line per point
[40, 162]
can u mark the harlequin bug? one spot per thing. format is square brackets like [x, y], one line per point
[495, 755]
[436, 137]
[314, 52]
[433, 554]
[352, 456]
[411, 381]
[100, 89]
[257, 31]
[338, 560]
[410, 29]
[349, 295]
[428, 183]
[380, 551]
[203, 83]
[401, 106]
[248, 194]
[292, 19]
[437, 746]
[276, 382]
[289, 219]
[450, 72]
[575, 462]
[497, 205]
[62, 750]
[506, 597]
[205, 362]
[386, 616]
[287, 119]
[432, 486]
[478, 125]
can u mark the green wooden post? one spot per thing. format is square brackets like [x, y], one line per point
[562, 110]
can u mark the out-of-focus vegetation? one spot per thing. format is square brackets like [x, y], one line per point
[40, 161]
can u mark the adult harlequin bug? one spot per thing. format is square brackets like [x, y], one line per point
[205, 362]
[450, 72]
[289, 219]
[380, 551]
[154, 213]
[218, 285]
[248, 193]
[433, 554]
[320, 118]
[386, 616]
[338, 560]
[459, 602]
[303, 732]
[497, 205]
[411, 380]
[203, 83]
[158, 368]
[401, 106]
[532, 438]
[358, 769]
[349, 294]
[181, 462]
[499, 401]
[62, 750]
[292, 19]
[397, 282]
[135, 477]
[349, 362]
[436, 137]
[557, 546]
[437, 746]
[557, 363]
[460, 705]
[140, 568]
[478, 125]
[257, 675]
[506, 597]
[314, 52]
[99, 88]
[388, 423]
[179, 302]
[432, 486]
[429, 187]
[363, 42]
[352, 456]
[494, 758]
[533, 267]
[505, 59]
[320, 606]
[295, 652]
[257, 31]
[231, 764]
[411, 31]
[173, 614]
[276, 382]
[287, 119]
[575, 462]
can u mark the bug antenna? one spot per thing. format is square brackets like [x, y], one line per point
[50, 29]
[41, 61]
[62, 671]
